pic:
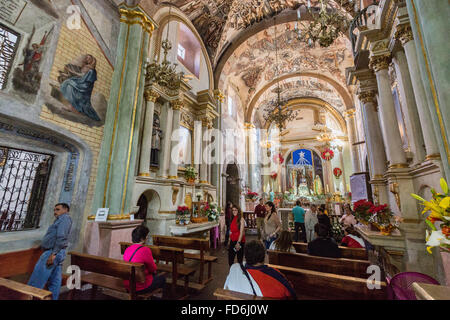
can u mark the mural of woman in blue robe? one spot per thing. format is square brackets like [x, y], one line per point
[77, 82]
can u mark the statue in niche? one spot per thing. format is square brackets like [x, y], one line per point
[156, 141]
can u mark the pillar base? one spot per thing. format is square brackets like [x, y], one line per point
[144, 174]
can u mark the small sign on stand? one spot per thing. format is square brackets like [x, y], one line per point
[102, 214]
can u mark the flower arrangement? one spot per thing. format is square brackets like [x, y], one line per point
[328, 154]
[212, 211]
[361, 209]
[190, 174]
[439, 218]
[250, 195]
[337, 172]
[273, 175]
[182, 215]
[384, 219]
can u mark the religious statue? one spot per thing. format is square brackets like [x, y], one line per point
[156, 141]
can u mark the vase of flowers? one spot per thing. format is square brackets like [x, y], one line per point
[250, 195]
[190, 174]
[212, 211]
[383, 219]
[438, 219]
[181, 214]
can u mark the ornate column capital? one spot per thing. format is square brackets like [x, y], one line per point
[380, 62]
[219, 95]
[151, 95]
[132, 16]
[367, 96]
[206, 122]
[404, 33]
[176, 104]
[248, 125]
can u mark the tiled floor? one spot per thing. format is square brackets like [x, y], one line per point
[220, 271]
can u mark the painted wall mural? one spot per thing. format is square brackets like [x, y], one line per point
[253, 63]
[75, 92]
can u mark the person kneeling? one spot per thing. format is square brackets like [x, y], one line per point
[255, 278]
[140, 254]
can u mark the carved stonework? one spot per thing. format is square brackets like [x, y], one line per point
[380, 62]
[349, 113]
[219, 95]
[176, 104]
[367, 97]
[404, 33]
[207, 122]
[151, 95]
[187, 120]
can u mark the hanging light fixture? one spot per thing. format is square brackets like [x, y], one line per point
[326, 25]
[276, 110]
[164, 74]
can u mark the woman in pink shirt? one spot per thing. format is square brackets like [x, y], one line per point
[140, 254]
[348, 219]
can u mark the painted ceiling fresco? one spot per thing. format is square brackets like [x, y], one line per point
[253, 63]
[217, 21]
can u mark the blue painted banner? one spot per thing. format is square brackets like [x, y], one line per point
[302, 157]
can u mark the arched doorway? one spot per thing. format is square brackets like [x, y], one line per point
[233, 188]
[149, 204]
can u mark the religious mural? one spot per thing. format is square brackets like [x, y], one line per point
[27, 76]
[75, 95]
[184, 147]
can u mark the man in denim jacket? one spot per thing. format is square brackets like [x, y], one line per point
[49, 266]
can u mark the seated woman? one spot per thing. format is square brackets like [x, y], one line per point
[140, 254]
[283, 243]
[323, 246]
[352, 239]
[256, 278]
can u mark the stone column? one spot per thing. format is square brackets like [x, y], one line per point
[412, 122]
[173, 167]
[204, 164]
[117, 159]
[164, 156]
[146, 147]
[388, 118]
[404, 34]
[375, 146]
[351, 128]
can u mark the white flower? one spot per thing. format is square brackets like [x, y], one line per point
[436, 238]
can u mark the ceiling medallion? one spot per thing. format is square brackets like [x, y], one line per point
[326, 26]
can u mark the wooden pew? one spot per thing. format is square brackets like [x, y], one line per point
[19, 265]
[340, 266]
[13, 290]
[348, 253]
[110, 273]
[194, 244]
[223, 294]
[174, 258]
[315, 285]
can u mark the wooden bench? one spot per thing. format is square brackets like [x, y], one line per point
[223, 294]
[13, 290]
[110, 273]
[340, 266]
[19, 265]
[193, 244]
[315, 285]
[174, 260]
[348, 253]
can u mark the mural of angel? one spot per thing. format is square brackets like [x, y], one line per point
[28, 79]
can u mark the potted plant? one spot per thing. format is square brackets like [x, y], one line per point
[383, 219]
[181, 214]
[212, 211]
[190, 174]
[250, 195]
[361, 209]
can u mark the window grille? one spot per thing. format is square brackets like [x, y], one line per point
[9, 41]
[23, 183]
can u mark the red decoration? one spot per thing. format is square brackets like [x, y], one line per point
[328, 154]
[337, 172]
[274, 175]
[278, 158]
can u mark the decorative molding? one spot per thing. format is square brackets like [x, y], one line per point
[367, 96]
[404, 33]
[219, 95]
[380, 62]
[151, 95]
[435, 156]
[176, 104]
[131, 17]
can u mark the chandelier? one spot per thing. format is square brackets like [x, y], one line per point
[164, 74]
[275, 111]
[326, 25]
